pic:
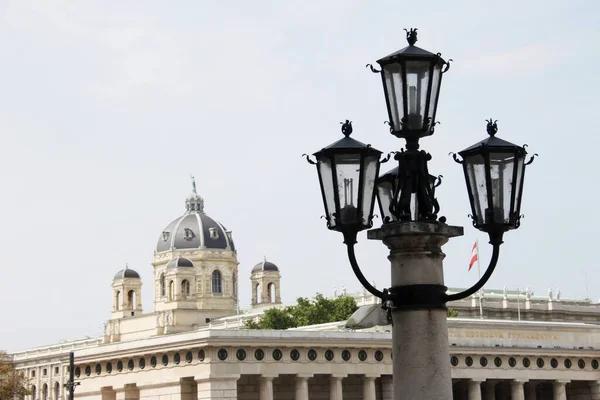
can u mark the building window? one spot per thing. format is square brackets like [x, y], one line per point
[56, 370]
[201, 355]
[56, 390]
[98, 369]
[581, 363]
[153, 361]
[277, 354]
[469, 361]
[295, 355]
[88, 370]
[109, 368]
[540, 362]
[241, 354]
[346, 355]
[165, 236]
[454, 361]
[483, 361]
[312, 355]
[33, 374]
[33, 392]
[259, 354]
[165, 360]
[526, 362]
[214, 233]
[185, 287]
[512, 362]
[142, 363]
[362, 355]
[498, 362]
[222, 354]
[329, 355]
[379, 355]
[45, 391]
[188, 234]
[44, 372]
[163, 288]
[189, 357]
[217, 284]
[177, 358]
[568, 363]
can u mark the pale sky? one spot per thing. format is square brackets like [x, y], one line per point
[108, 107]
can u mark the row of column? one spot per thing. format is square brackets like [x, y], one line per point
[519, 390]
[226, 388]
[335, 387]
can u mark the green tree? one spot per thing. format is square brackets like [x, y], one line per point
[12, 383]
[452, 313]
[306, 312]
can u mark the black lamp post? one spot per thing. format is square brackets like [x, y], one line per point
[348, 175]
[71, 384]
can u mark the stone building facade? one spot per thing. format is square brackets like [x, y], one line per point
[193, 344]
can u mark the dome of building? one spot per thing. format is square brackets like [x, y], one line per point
[265, 266]
[180, 262]
[194, 229]
[126, 273]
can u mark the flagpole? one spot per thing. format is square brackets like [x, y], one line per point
[479, 274]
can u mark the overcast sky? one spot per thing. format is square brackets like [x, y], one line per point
[106, 108]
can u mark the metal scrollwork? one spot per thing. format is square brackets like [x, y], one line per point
[373, 69]
[387, 158]
[446, 66]
[308, 159]
[532, 157]
[455, 157]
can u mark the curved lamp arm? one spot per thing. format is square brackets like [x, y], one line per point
[482, 281]
[350, 241]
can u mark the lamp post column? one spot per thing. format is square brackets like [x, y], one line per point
[420, 331]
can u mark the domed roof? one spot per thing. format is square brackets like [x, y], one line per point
[194, 229]
[180, 262]
[265, 266]
[126, 273]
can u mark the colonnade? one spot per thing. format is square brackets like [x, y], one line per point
[523, 389]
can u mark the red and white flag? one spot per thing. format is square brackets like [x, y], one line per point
[474, 255]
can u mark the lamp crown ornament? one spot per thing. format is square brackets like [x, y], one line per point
[346, 128]
[492, 127]
[411, 36]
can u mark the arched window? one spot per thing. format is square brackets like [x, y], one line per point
[185, 287]
[45, 392]
[131, 299]
[118, 300]
[33, 392]
[171, 290]
[271, 290]
[56, 390]
[163, 288]
[258, 293]
[217, 284]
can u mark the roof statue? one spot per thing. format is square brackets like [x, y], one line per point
[558, 294]
[550, 294]
[505, 292]
[193, 184]
[334, 292]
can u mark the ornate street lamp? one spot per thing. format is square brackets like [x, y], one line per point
[494, 171]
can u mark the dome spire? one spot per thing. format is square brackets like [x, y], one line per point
[194, 203]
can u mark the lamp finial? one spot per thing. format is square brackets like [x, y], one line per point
[411, 36]
[346, 128]
[492, 126]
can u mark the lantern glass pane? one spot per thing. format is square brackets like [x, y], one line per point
[384, 195]
[476, 184]
[417, 82]
[327, 186]
[519, 183]
[347, 168]
[392, 74]
[501, 173]
[369, 172]
[435, 87]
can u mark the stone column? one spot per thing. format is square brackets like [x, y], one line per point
[489, 390]
[222, 387]
[559, 390]
[266, 387]
[62, 381]
[475, 389]
[368, 387]
[129, 392]
[335, 387]
[517, 390]
[301, 392]
[387, 387]
[594, 390]
[530, 391]
[420, 344]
